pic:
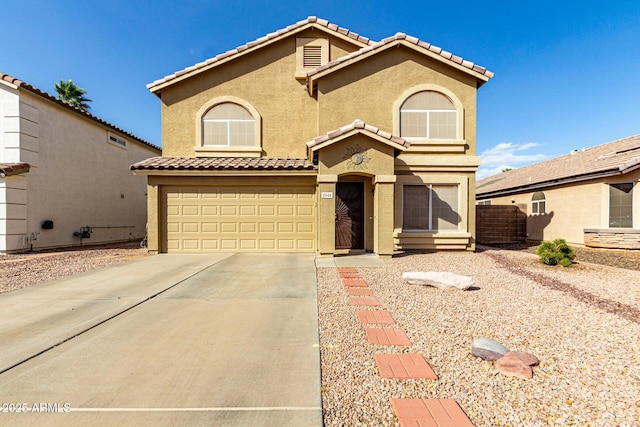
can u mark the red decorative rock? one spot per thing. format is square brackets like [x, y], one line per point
[527, 358]
[511, 365]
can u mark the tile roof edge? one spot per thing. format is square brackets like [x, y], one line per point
[404, 38]
[360, 126]
[568, 155]
[221, 163]
[21, 84]
[541, 185]
[283, 32]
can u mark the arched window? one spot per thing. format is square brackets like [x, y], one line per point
[429, 115]
[228, 124]
[538, 203]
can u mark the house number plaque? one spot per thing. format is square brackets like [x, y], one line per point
[327, 195]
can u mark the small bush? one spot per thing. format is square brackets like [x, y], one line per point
[556, 252]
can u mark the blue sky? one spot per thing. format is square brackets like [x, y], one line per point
[567, 72]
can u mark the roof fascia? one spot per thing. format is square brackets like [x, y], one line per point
[352, 132]
[188, 72]
[548, 184]
[481, 78]
[221, 172]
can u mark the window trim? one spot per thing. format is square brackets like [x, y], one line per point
[226, 150]
[431, 88]
[611, 184]
[539, 202]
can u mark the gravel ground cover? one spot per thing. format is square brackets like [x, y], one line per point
[582, 322]
[30, 268]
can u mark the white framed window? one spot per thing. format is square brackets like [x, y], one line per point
[484, 202]
[621, 205]
[228, 124]
[538, 203]
[428, 115]
[431, 207]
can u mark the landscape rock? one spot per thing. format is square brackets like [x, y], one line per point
[488, 349]
[511, 365]
[439, 279]
[527, 358]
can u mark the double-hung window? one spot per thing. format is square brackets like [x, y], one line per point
[428, 115]
[430, 208]
[228, 124]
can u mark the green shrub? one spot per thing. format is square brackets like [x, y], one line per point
[556, 252]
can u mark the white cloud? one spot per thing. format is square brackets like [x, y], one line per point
[504, 156]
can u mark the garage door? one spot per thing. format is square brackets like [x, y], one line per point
[209, 219]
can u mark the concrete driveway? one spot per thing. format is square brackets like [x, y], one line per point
[167, 340]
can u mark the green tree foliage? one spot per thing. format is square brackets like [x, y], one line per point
[556, 252]
[507, 169]
[74, 95]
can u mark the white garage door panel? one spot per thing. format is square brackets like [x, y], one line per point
[201, 219]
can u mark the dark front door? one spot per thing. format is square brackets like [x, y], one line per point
[350, 215]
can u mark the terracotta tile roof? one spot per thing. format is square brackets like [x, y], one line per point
[8, 169]
[14, 81]
[398, 39]
[358, 125]
[614, 158]
[221, 163]
[311, 21]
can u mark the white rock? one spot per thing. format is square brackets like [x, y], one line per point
[439, 279]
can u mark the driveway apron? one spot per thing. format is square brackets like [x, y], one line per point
[231, 343]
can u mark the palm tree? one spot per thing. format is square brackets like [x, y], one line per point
[74, 95]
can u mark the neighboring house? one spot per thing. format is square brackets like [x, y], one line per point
[316, 139]
[64, 174]
[587, 197]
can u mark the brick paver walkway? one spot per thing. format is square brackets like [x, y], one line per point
[387, 336]
[354, 282]
[359, 292]
[378, 317]
[430, 413]
[410, 412]
[365, 301]
[404, 366]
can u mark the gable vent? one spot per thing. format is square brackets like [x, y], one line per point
[312, 56]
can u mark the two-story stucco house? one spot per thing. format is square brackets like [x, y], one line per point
[314, 138]
[64, 174]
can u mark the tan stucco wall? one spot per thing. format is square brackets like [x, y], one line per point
[369, 89]
[572, 208]
[376, 172]
[77, 178]
[266, 80]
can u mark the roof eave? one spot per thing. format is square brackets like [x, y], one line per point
[158, 85]
[551, 183]
[481, 78]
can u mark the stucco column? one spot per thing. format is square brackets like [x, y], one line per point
[383, 206]
[153, 210]
[327, 213]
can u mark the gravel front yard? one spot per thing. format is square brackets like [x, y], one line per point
[582, 322]
[22, 270]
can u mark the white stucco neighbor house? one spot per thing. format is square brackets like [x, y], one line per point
[64, 174]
